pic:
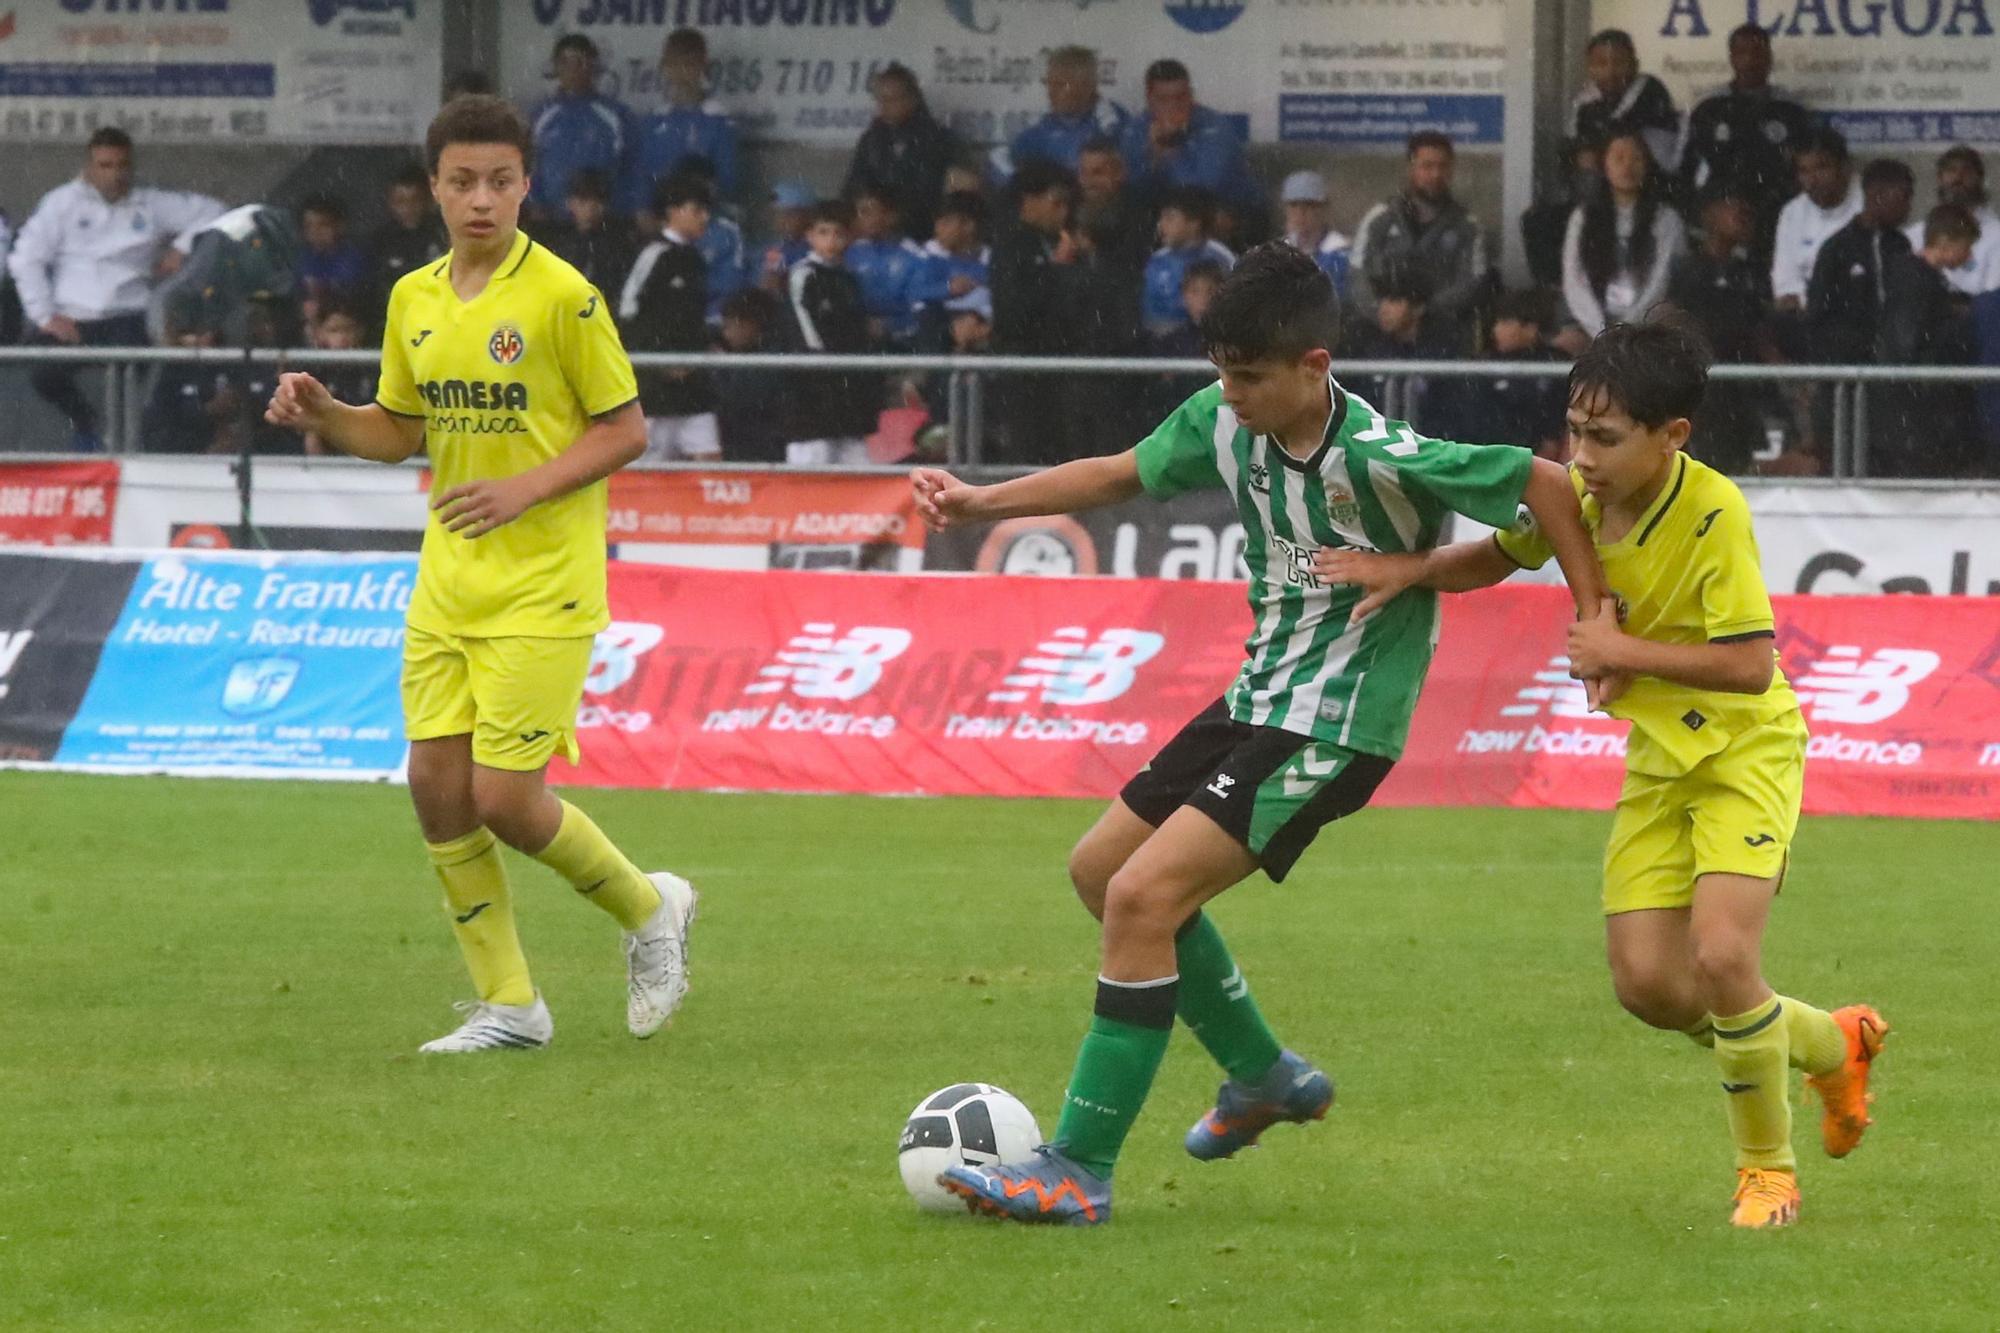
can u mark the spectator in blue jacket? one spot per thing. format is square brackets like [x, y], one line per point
[904, 151]
[1076, 113]
[330, 267]
[1184, 240]
[689, 125]
[1304, 197]
[956, 266]
[721, 242]
[792, 203]
[1178, 142]
[576, 128]
[889, 265]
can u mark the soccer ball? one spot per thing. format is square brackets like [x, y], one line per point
[970, 1124]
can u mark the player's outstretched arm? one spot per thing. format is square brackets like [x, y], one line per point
[1551, 498]
[370, 431]
[1460, 567]
[1086, 483]
[610, 442]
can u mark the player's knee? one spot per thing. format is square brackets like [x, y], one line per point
[503, 808]
[1090, 877]
[1137, 905]
[1726, 962]
[1652, 996]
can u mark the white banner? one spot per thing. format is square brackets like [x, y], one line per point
[199, 71]
[1886, 73]
[1356, 72]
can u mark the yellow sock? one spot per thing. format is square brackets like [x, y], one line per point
[1701, 1032]
[482, 916]
[1751, 1050]
[581, 854]
[1818, 1044]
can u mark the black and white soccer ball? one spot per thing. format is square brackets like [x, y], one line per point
[971, 1124]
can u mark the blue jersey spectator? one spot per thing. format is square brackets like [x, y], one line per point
[728, 273]
[792, 204]
[576, 128]
[688, 126]
[1304, 197]
[888, 264]
[1177, 142]
[1184, 241]
[956, 266]
[1076, 114]
[329, 266]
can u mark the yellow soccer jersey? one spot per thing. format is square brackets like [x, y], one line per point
[1688, 572]
[504, 382]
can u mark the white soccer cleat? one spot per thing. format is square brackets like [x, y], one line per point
[656, 957]
[496, 1027]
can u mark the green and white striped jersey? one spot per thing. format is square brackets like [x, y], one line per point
[1373, 484]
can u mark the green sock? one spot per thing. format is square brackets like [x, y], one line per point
[1215, 1003]
[1114, 1070]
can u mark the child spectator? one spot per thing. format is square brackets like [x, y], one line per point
[1721, 285]
[331, 267]
[752, 430]
[408, 239]
[888, 264]
[1927, 430]
[1304, 197]
[599, 248]
[688, 126]
[340, 328]
[955, 267]
[1183, 232]
[833, 411]
[176, 419]
[1198, 286]
[791, 214]
[1620, 248]
[1525, 410]
[664, 308]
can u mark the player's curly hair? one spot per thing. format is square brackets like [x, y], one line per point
[1275, 302]
[1656, 370]
[478, 118]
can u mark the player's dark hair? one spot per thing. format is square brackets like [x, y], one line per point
[685, 42]
[1423, 139]
[963, 204]
[1822, 139]
[110, 136]
[589, 183]
[328, 206]
[1191, 202]
[1038, 175]
[478, 118]
[1950, 222]
[1656, 371]
[837, 211]
[1617, 37]
[683, 187]
[1167, 71]
[1276, 302]
[575, 41]
[1888, 171]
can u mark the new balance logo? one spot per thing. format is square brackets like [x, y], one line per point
[614, 657]
[477, 908]
[1070, 668]
[822, 662]
[418, 341]
[588, 310]
[1707, 522]
[1761, 840]
[1845, 687]
[1220, 787]
[1553, 690]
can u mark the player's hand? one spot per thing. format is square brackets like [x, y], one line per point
[943, 500]
[1379, 576]
[1596, 645]
[477, 507]
[1603, 691]
[300, 403]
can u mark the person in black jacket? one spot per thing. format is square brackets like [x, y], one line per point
[1619, 98]
[664, 309]
[595, 244]
[408, 239]
[1039, 309]
[1927, 430]
[1844, 298]
[1726, 289]
[1522, 410]
[1746, 134]
[832, 411]
[904, 151]
[747, 401]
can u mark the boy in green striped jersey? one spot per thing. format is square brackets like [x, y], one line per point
[1314, 720]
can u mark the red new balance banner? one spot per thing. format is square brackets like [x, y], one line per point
[57, 504]
[1064, 687]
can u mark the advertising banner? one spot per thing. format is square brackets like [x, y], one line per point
[284, 71]
[1886, 73]
[57, 504]
[55, 616]
[1355, 72]
[251, 664]
[766, 520]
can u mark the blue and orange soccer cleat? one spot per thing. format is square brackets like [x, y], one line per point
[1048, 1188]
[1293, 1092]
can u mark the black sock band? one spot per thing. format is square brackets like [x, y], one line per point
[1145, 1005]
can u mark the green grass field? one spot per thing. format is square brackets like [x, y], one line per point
[212, 1115]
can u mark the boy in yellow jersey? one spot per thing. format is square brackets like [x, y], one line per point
[504, 362]
[1717, 751]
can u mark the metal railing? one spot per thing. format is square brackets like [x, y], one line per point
[124, 389]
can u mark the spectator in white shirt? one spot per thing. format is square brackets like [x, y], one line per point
[85, 262]
[1828, 199]
[1622, 242]
[1961, 180]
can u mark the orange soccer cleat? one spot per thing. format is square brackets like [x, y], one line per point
[1765, 1198]
[1844, 1092]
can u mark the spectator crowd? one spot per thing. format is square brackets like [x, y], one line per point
[1098, 231]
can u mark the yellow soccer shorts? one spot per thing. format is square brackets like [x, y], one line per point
[517, 696]
[1734, 814]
